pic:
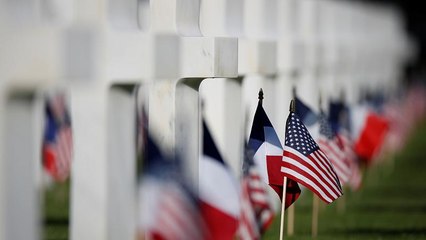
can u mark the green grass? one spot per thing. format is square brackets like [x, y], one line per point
[56, 212]
[390, 205]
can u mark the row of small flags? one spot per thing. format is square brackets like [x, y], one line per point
[221, 207]
[225, 209]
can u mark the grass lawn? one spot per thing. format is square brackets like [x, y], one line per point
[390, 205]
[56, 212]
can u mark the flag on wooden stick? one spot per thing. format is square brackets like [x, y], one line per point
[304, 162]
[268, 156]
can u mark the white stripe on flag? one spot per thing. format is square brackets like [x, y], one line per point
[308, 181]
[311, 175]
[329, 180]
[218, 187]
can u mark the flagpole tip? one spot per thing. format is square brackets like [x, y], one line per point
[260, 95]
[292, 106]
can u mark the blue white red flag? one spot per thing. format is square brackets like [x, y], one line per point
[268, 156]
[57, 142]
[219, 192]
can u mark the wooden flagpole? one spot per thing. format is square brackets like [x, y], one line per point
[290, 220]
[290, 226]
[283, 209]
[315, 211]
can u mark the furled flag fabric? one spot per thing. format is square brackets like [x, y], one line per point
[333, 148]
[219, 193]
[308, 117]
[369, 132]
[268, 156]
[57, 142]
[339, 116]
[304, 162]
[169, 209]
[256, 211]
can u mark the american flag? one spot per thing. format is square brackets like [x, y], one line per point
[57, 142]
[169, 209]
[304, 162]
[333, 147]
[355, 179]
[257, 211]
[340, 121]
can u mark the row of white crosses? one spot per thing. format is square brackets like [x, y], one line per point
[100, 50]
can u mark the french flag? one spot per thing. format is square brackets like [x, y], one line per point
[369, 132]
[268, 154]
[219, 192]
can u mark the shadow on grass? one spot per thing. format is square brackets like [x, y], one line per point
[56, 221]
[394, 208]
[384, 231]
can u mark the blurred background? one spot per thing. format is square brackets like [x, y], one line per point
[102, 105]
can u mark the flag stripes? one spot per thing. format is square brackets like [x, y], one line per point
[337, 157]
[178, 213]
[168, 213]
[248, 228]
[306, 167]
[305, 162]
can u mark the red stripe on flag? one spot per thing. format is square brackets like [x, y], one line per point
[318, 175]
[220, 225]
[313, 178]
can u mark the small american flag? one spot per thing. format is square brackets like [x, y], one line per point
[57, 141]
[340, 120]
[169, 209]
[268, 151]
[334, 149]
[355, 180]
[257, 211]
[304, 162]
